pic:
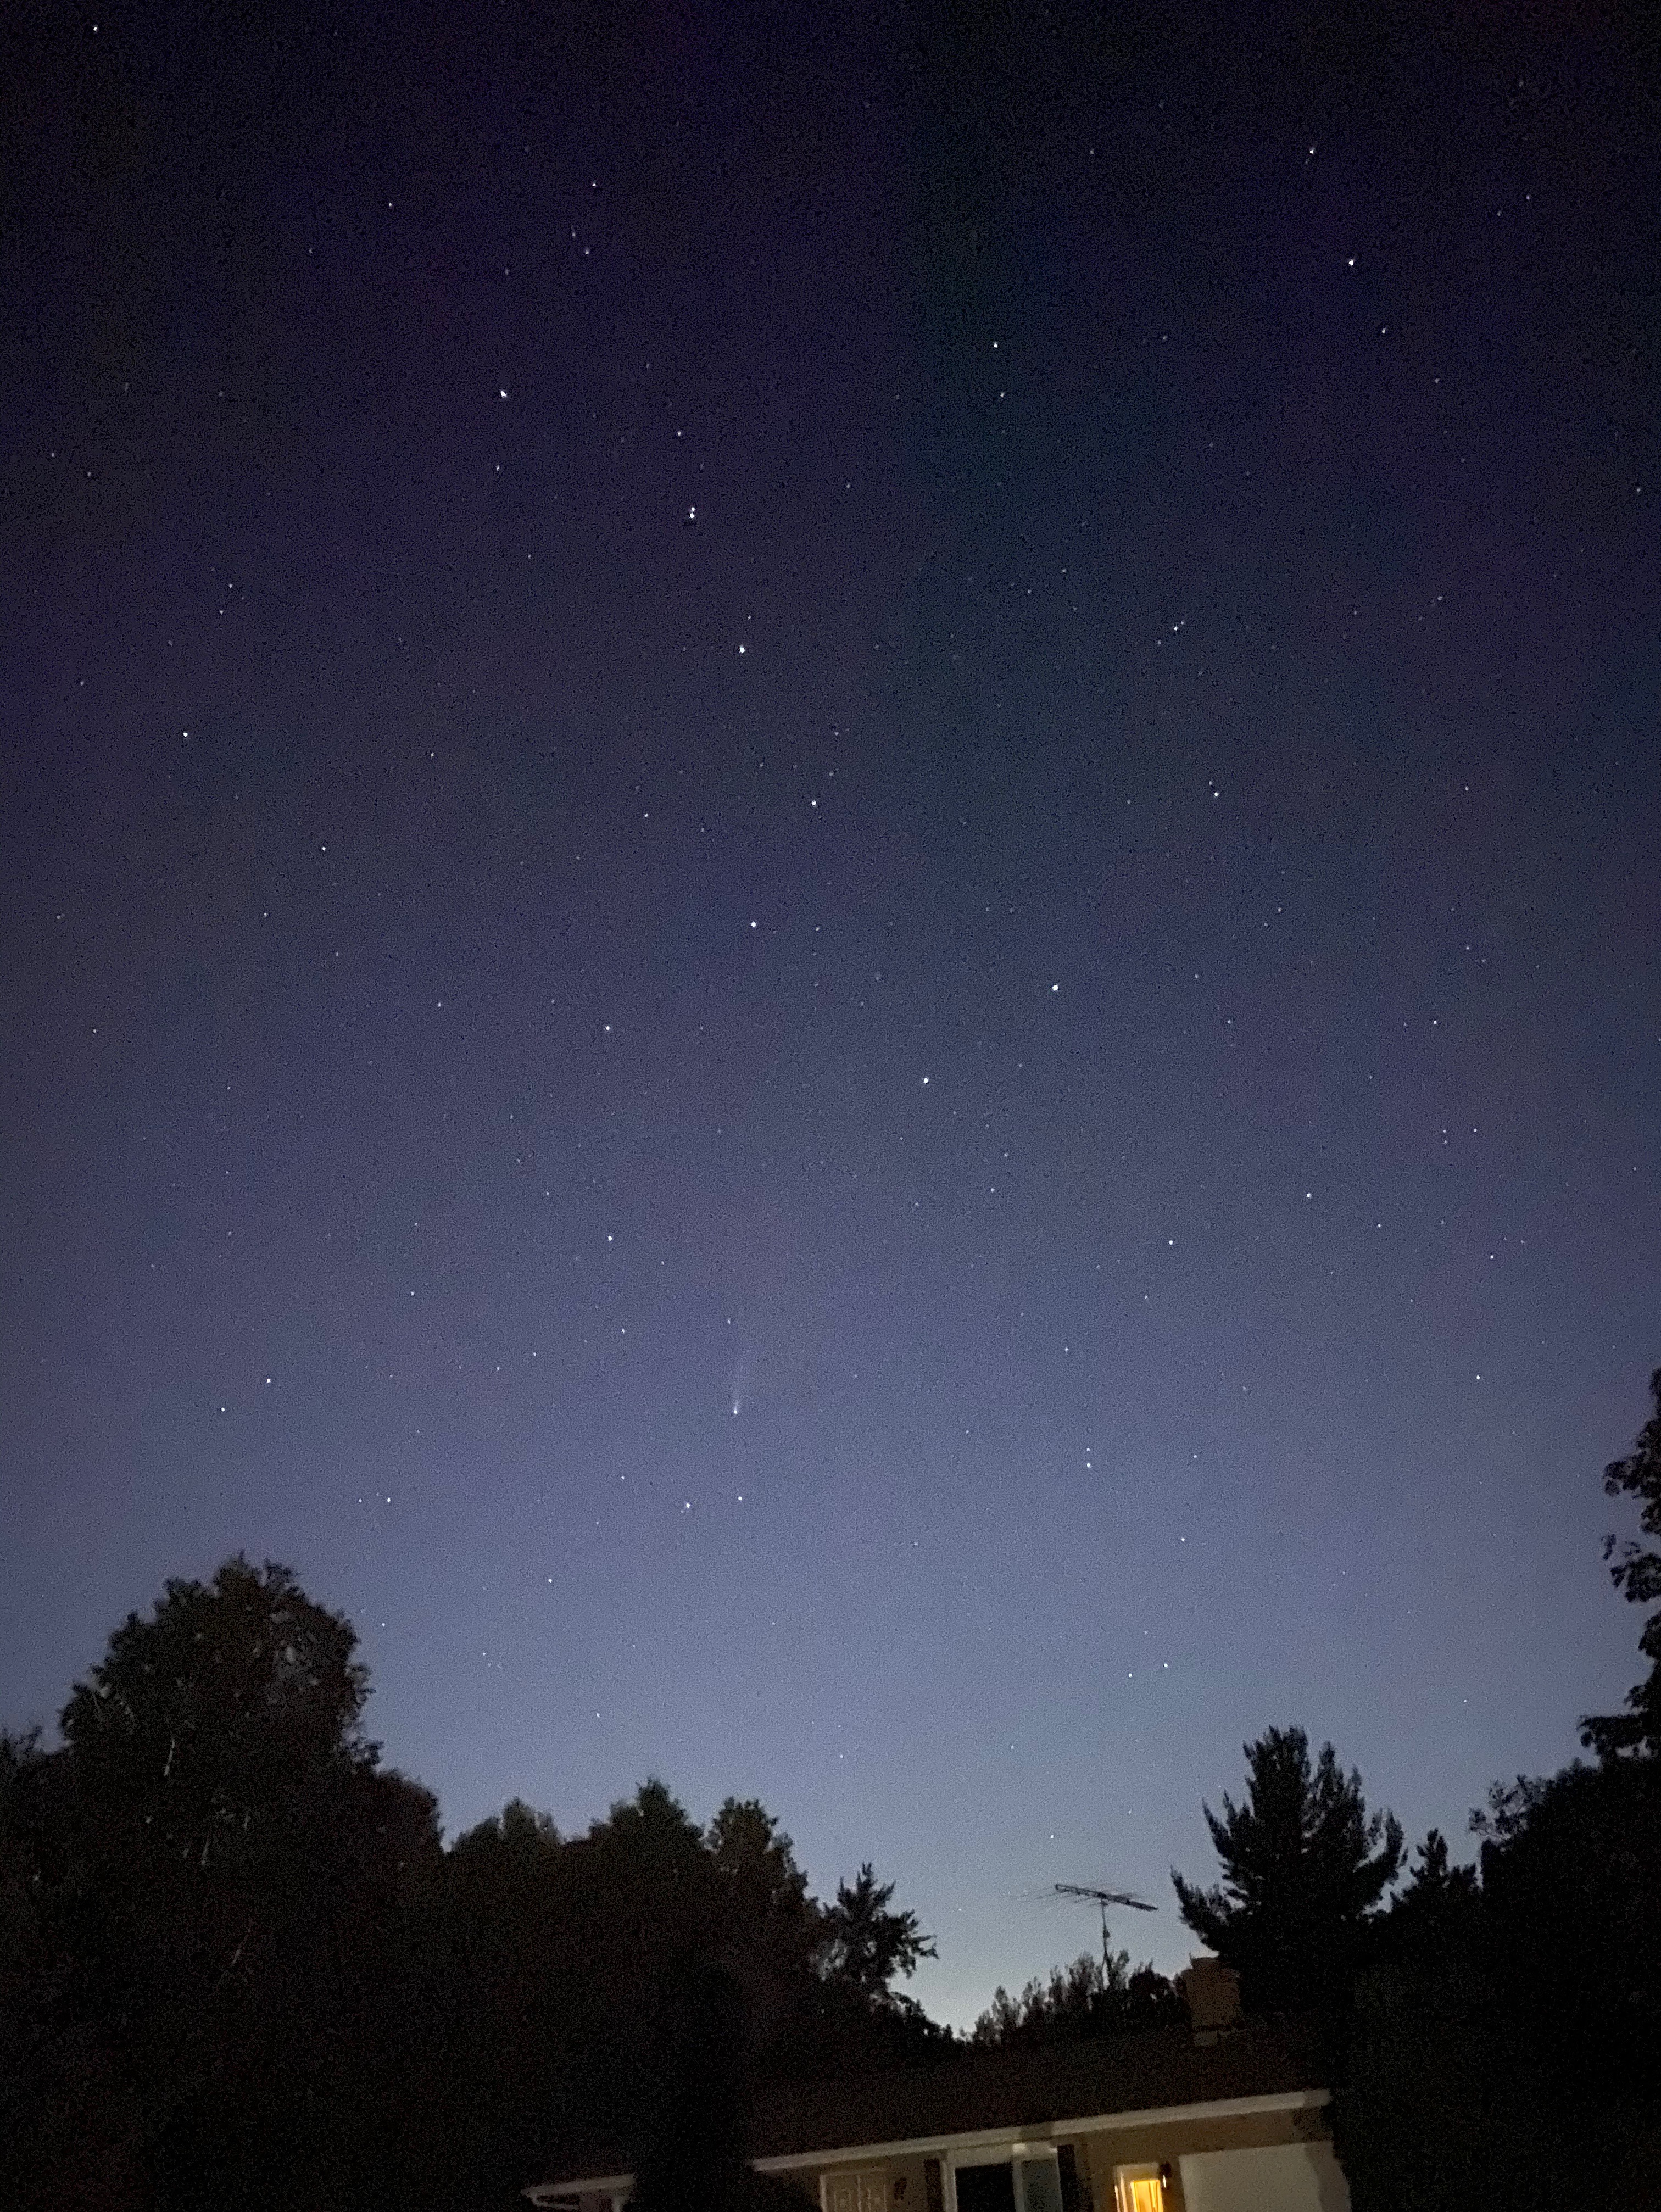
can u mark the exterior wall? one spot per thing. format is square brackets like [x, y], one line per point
[1162, 2143]
[906, 2178]
[1284, 2178]
[1218, 2155]
[1168, 2144]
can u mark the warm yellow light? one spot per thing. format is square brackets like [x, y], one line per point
[1141, 2192]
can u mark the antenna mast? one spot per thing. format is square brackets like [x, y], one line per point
[1103, 1899]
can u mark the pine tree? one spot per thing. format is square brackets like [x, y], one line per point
[1304, 1866]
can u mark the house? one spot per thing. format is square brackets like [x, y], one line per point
[1223, 2116]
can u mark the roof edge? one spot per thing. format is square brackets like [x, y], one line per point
[1037, 2131]
[595, 2185]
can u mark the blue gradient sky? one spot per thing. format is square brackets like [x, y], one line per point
[927, 1143]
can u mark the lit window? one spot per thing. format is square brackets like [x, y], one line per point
[1138, 2189]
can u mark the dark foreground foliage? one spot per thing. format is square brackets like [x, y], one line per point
[237, 1966]
[1507, 2042]
[1507, 2033]
[201, 1915]
[1635, 1571]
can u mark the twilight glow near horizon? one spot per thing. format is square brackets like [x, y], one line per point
[831, 927]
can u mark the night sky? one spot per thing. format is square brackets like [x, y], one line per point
[830, 918]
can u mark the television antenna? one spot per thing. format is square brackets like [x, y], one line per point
[1101, 1898]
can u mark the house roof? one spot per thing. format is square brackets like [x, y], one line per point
[1157, 2069]
[1160, 2070]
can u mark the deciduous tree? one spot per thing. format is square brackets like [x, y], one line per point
[216, 1860]
[1636, 1573]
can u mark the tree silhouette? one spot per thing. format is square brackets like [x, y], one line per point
[865, 1944]
[1507, 2024]
[757, 1860]
[1435, 1885]
[243, 1675]
[215, 1866]
[693, 2155]
[235, 1964]
[1304, 1867]
[848, 2012]
[1077, 2002]
[1636, 1573]
[769, 1928]
[1433, 1911]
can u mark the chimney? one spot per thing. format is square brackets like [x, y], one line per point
[1211, 1991]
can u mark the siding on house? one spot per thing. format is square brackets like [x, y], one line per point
[1238, 2123]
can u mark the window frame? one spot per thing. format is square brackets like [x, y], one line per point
[1010, 2154]
[858, 2175]
[1141, 2170]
